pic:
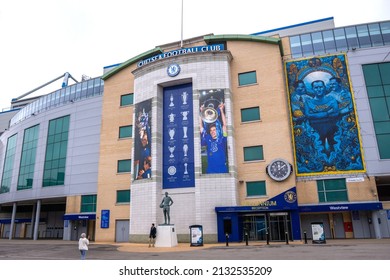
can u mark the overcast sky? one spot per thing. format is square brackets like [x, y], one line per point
[43, 39]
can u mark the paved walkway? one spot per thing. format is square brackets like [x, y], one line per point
[343, 249]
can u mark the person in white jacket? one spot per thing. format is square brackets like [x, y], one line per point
[83, 246]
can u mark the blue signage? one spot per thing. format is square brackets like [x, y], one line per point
[197, 49]
[178, 137]
[79, 216]
[105, 219]
[341, 207]
[283, 201]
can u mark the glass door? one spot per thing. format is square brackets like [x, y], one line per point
[256, 226]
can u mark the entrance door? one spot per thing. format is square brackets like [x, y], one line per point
[256, 226]
[122, 230]
[279, 224]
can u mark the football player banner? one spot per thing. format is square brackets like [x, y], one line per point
[323, 116]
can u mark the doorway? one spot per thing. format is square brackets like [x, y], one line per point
[256, 226]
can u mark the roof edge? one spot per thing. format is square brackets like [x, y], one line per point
[130, 61]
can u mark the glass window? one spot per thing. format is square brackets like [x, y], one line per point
[126, 131]
[56, 149]
[127, 99]
[253, 153]
[375, 34]
[307, 47]
[295, 44]
[340, 39]
[372, 76]
[88, 203]
[378, 88]
[255, 188]
[329, 43]
[364, 38]
[250, 114]
[247, 78]
[383, 144]
[318, 43]
[384, 69]
[8, 164]
[123, 196]
[385, 30]
[27, 160]
[124, 165]
[334, 190]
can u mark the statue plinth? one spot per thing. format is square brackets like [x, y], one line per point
[166, 236]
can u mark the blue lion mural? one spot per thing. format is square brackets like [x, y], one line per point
[323, 116]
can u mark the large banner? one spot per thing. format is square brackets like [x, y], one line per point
[323, 116]
[142, 140]
[213, 131]
[178, 137]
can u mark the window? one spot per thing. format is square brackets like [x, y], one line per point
[351, 37]
[385, 30]
[329, 43]
[318, 42]
[295, 44]
[363, 36]
[255, 188]
[307, 46]
[56, 150]
[126, 131]
[8, 164]
[250, 114]
[124, 165]
[332, 190]
[341, 40]
[375, 34]
[247, 78]
[27, 161]
[127, 99]
[88, 203]
[377, 79]
[253, 153]
[123, 196]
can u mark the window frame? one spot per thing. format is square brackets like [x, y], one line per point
[246, 152]
[123, 127]
[243, 110]
[122, 103]
[123, 161]
[245, 75]
[128, 193]
[255, 184]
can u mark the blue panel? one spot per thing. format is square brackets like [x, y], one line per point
[105, 219]
[80, 217]
[178, 137]
[341, 207]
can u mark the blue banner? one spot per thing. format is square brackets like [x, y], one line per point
[105, 219]
[178, 137]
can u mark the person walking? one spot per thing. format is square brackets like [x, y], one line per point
[152, 236]
[83, 245]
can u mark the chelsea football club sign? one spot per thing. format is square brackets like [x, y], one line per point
[198, 49]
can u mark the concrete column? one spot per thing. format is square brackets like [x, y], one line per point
[37, 215]
[11, 230]
[375, 223]
[33, 220]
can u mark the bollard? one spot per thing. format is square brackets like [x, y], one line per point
[305, 235]
[246, 239]
[227, 239]
[286, 233]
[267, 234]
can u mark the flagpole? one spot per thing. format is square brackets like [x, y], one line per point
[181, 44]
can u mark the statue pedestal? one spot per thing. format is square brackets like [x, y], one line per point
[166, 236]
